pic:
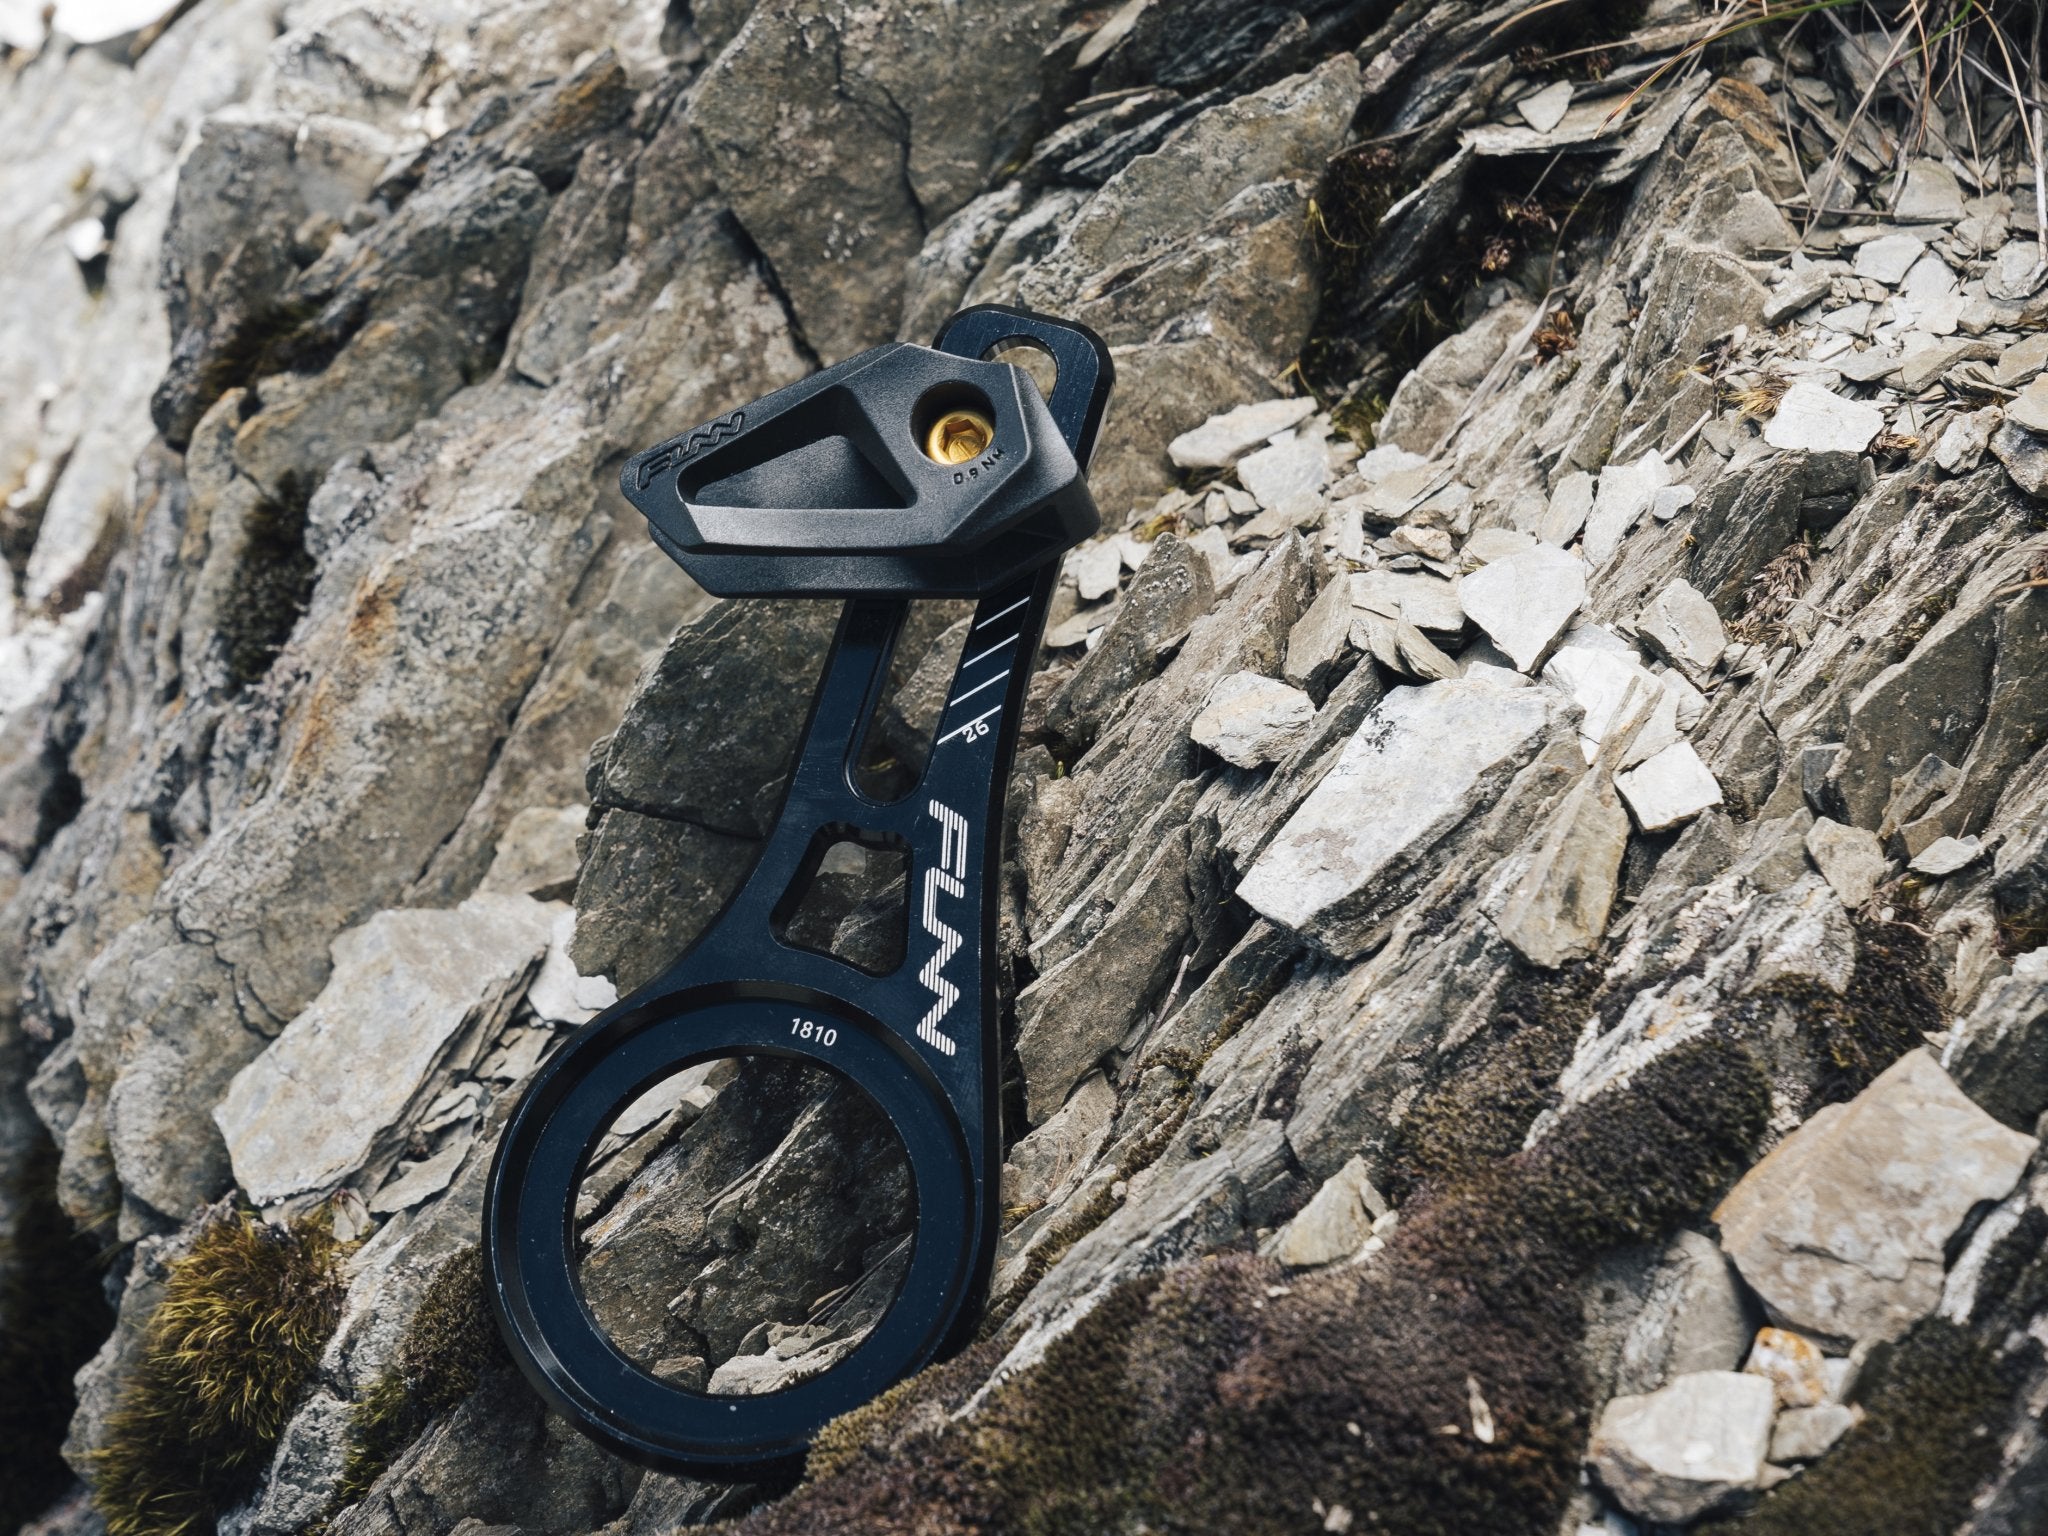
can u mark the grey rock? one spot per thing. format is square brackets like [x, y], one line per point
[2022, 361]
[1080, 1008]
[1557, 910]
[1999, 1053]
[1524, 601]
[1171, 590]
[2025, 457]
[1571, 502]
[1928, 194]
[1888, 258]
[1946, 855]
[1687, 1448]
[1251, 720]
[1336, 1222]
[1668, 789]
[1320, 637]
[1685, 629]
[1806, 286]
[1851, 859]
[537, 854]
[836, 171]
[1427, 602]
[1694, 1318]
[1333, 871]
[412, 994]
[1624, 495]
[1841, 1228]
[1806, 1434]
[1288, 477]
[1219, 441]
[2016, 271]
[1430, 399]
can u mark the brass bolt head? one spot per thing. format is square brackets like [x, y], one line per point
[958, 436]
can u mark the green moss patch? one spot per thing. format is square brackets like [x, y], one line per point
[1934, 1405]
[226, 1357]
[446, 1347]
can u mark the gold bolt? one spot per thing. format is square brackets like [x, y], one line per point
[958, 436]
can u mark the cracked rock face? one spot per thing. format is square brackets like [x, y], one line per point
[1544, 762]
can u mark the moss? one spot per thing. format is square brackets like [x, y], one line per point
[1934, 1405]
[444, 1351]
[1892, 1004]
[225, 1358]
[276, 583]
[1223, 1396]
[52, 1317]
[1502, 1080]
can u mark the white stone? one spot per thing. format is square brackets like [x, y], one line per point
[1250, 719]
[1888, 258]
[1218, 441]
[1543, 110]
[2029, 408]
[2021, 361]
[410, 990]
[1842, 1228]
[1675, 1454]
[1624, 495]
[1427, 602]
[1525, 601]
[1946, 855]
[1288, 477]
[536, 853]
[1096, 569]
[100, 21]
[1416, 767]
[1599, 681]
[1802, 1434]
[1817, 420]
[1490, 544]
[1571, 501]
[1851, 859]
[1670, 789]
[560, 994]
[1684, 628]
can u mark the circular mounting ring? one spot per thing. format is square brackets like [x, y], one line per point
[530, 1243]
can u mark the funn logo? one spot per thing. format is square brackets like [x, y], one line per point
[670, 454]
[949, 875]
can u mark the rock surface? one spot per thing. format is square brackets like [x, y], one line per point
[1841, 1230]
[1686, 1448]
[1426, 892]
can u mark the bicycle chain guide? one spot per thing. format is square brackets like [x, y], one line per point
[905, 472]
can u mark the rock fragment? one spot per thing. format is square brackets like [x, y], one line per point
[1669, 789]
[1251, 719]
[1524, 601]
[1842, 1228]
[1218, 442]
[1685, 629]
[1684, 1450]
[1889, 258]
[1393, 795]
[1804, 1434]
[1795, 1366]
[1287, 477]
[1850, 858]
[1928, 194]
[1946, 855]
[1543, 110]
[1624, 494]
[1335, 1223]
[1811, 419]
[410, 989]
